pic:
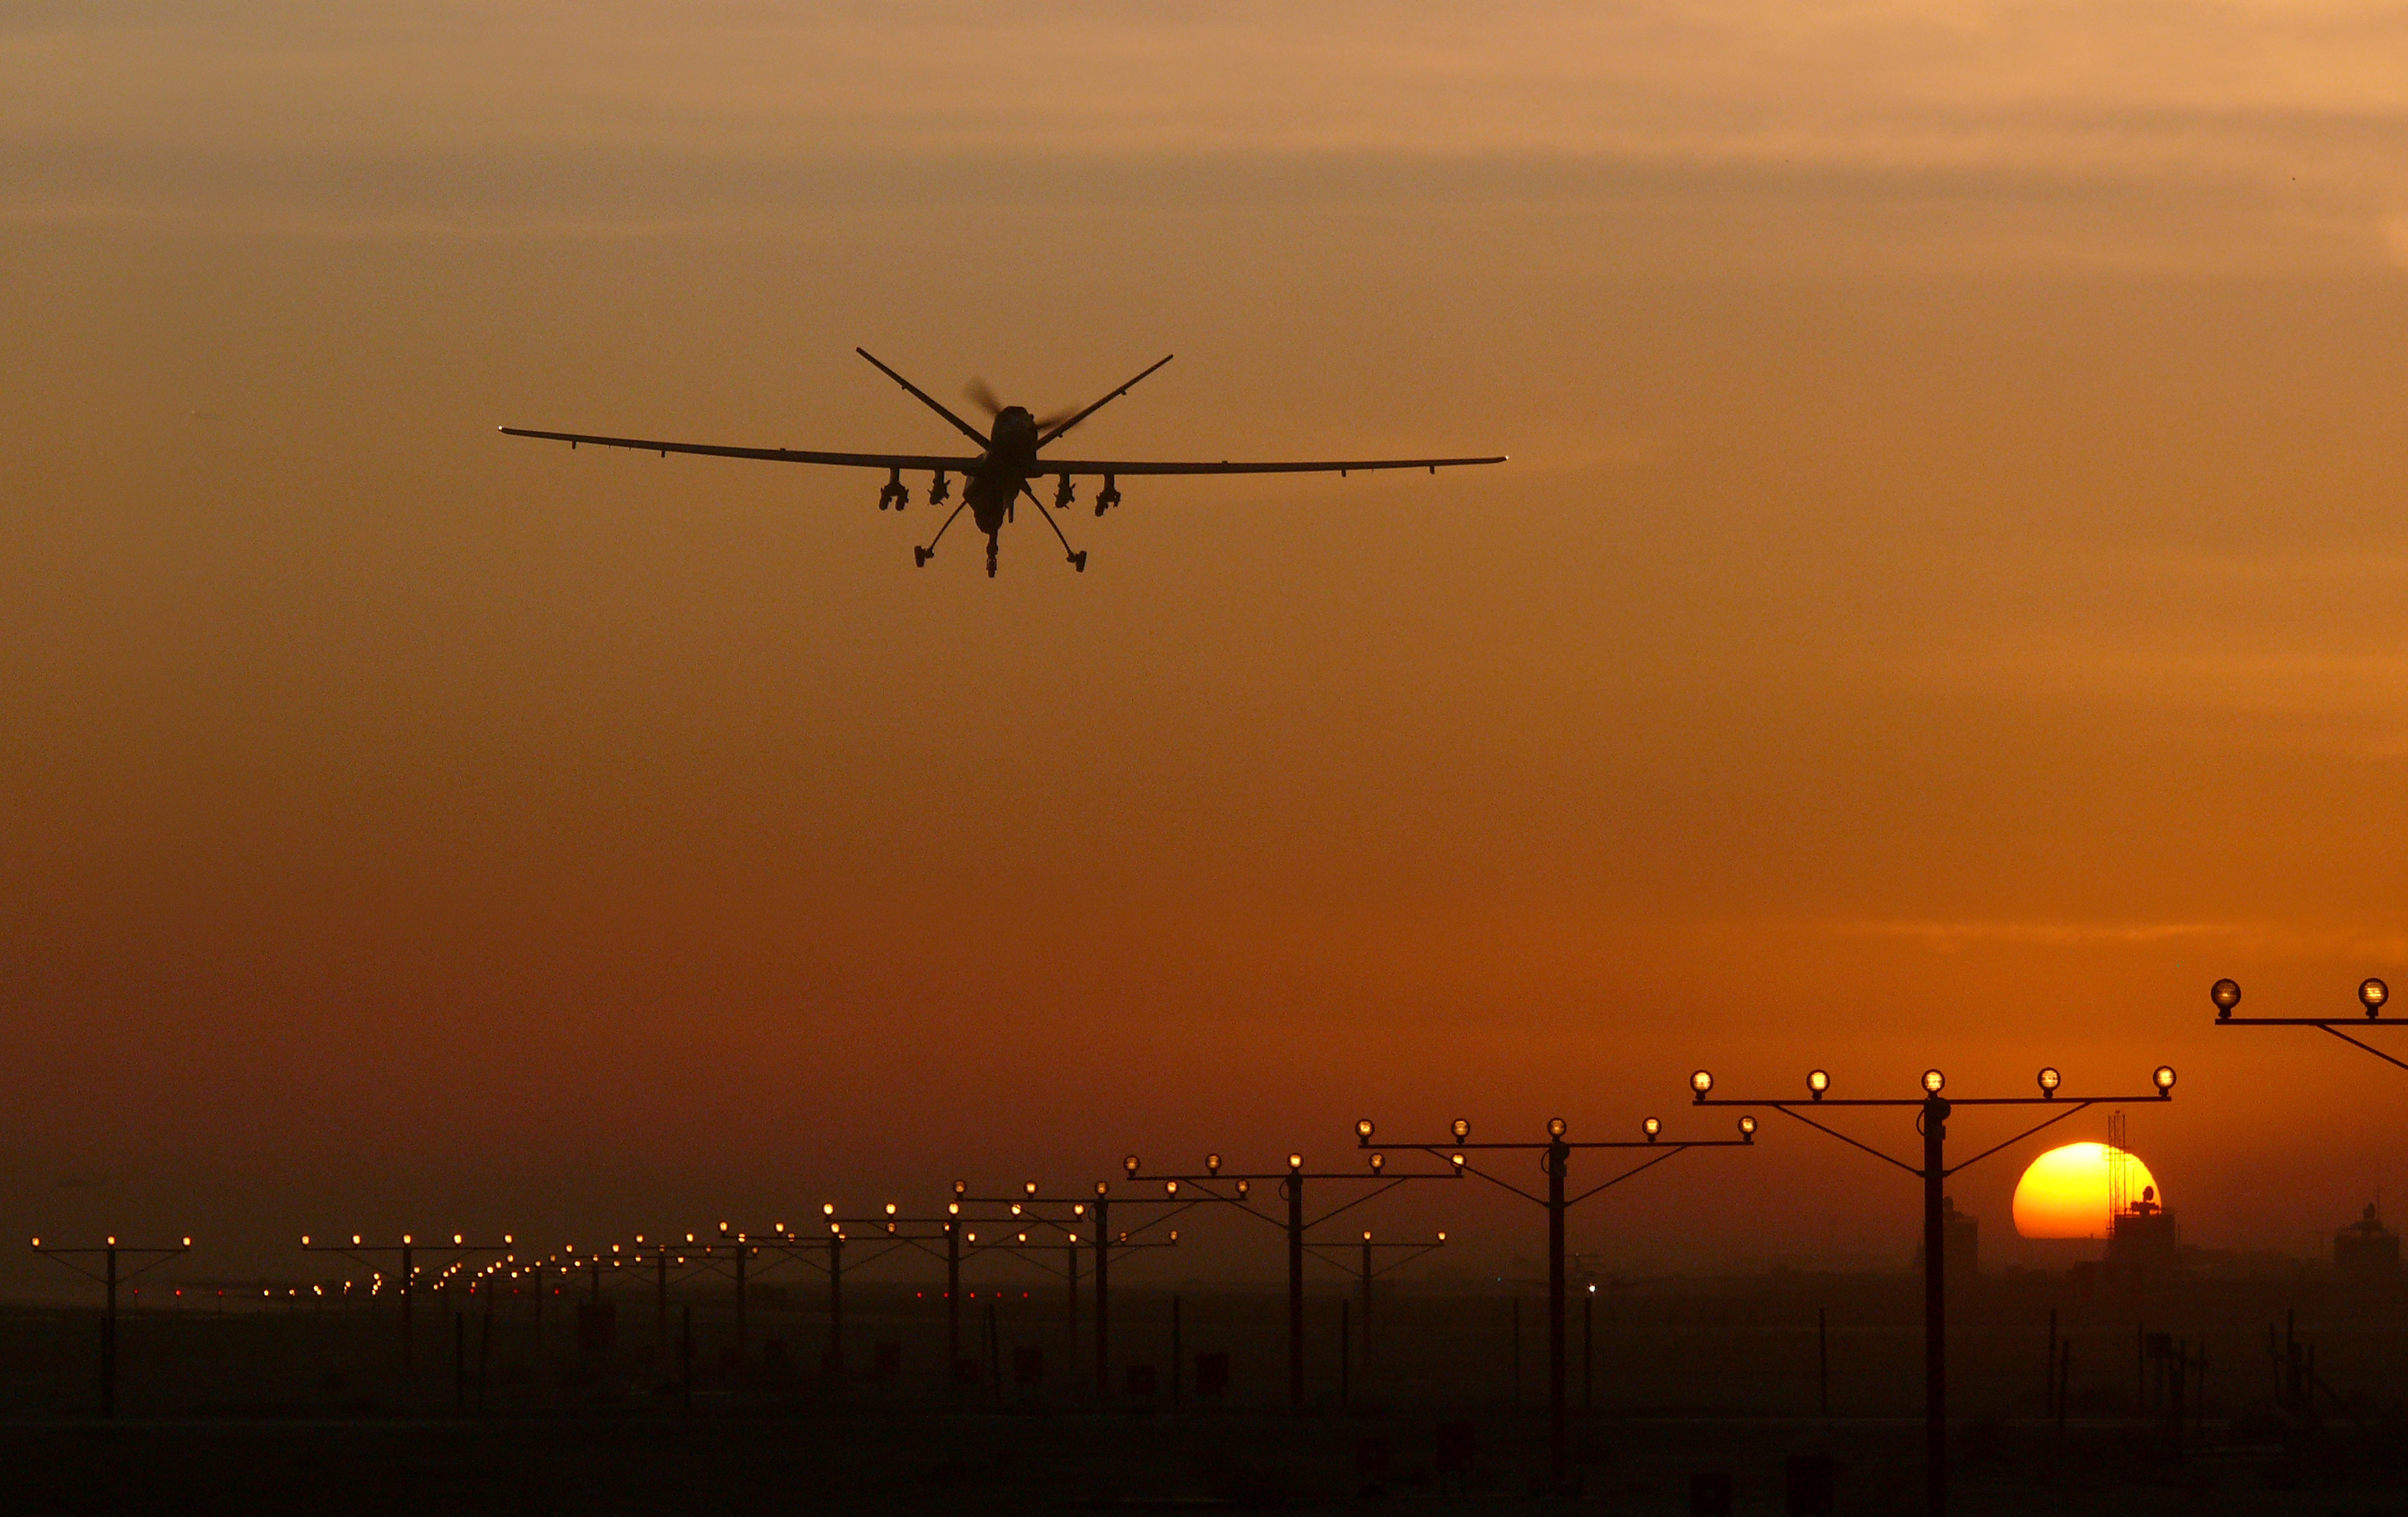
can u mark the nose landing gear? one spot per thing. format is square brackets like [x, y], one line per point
[990, 556]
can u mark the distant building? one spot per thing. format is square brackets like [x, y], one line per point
[1962, 1250]
[2366, 1248]
[2142, 1239]
[1962, 1247]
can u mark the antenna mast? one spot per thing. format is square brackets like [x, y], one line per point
[2119, 1183]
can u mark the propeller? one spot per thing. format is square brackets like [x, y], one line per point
[983, 396]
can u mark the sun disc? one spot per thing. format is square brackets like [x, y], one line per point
[2063, 1192]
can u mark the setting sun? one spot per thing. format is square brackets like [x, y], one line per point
[2064, 1192]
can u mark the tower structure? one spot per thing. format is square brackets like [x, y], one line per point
[2119, 1172]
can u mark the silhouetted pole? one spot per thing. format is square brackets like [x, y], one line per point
[1935, 1306]
[995, 1353]
[460, 1363]
[740, 1251]
[685, 1357]
[1517, 1305]
[1070, 1273]
[408, 1330]
[484, 1349]
[952, 1301]
[660, 1299]
[1823, 1359]
[1558, 1441]
[1175, 1352]
[1103, 1297]
[1588, 1351]
[1296, 1289]
[835, 1303]
[109, 1340]
[2064, 1384]
[1346, 1353]
[1366, 1305]
[2048, 1397]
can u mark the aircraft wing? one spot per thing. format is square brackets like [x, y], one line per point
[1341, 465]
[776, 455]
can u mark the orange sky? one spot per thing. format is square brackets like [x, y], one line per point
[1944, 606]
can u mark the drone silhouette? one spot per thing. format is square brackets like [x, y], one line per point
[994, 478]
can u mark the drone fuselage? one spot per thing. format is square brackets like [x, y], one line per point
[1010, 461]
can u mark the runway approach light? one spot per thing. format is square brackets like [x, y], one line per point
[1817, 1081]
[1932, 1081]
[2049, 1080]
[2227, 994]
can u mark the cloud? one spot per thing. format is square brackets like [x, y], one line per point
[2256, 937]
[1954, 935]
[1963, 105]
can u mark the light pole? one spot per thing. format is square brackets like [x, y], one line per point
[1291, 1182]
[458, 1251]
[1403, 1252]
[2372, 995]
[1555, 1155]
[661, 1254]
[1094, 1217]
[896, 1232]
[1932, 1111]
[110, 1276]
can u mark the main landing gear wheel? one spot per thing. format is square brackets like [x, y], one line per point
[990, 558]
[920, 557]
[1079, 562]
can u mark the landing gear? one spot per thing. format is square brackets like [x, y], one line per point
[1108, 497]
[919, 556]
[1064, 493]
[894, 492]
[1078, 560]
[990, 557]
